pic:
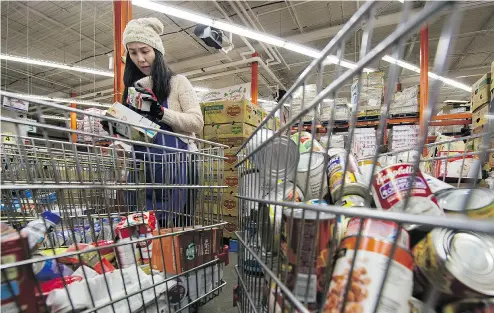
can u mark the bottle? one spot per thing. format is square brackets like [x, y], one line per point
[106, 230]
[36, 230]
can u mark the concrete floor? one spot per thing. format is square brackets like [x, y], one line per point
[224, 302]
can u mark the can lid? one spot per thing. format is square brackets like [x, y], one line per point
[316, 161]
[52, 217]
[454, 199]
[468, 256]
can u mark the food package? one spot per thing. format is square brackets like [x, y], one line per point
[92, 125]
[183, 251]
[123, 113]
[481, 91]
[227, 111]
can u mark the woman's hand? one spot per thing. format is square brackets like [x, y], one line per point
[148, 103]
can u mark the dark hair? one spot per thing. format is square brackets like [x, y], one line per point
[160, 75]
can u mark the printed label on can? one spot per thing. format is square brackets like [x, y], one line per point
[391, 185]
[307, 143]
[380, 229]
[367, 277]
[350, 201]
[336, 172]
[427, 261]
[307, 276]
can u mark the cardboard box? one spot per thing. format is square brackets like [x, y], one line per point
[479, 116]
[235, 130]
[183, 251]
[481, 91]
[231, 227]
[477, 142]
[123, 113]
[273, 123]
[227, 206]
[222, 112]
[456, 165]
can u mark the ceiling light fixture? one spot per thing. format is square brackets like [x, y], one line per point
[239, 30]
[416, 69]
[60, 100]
[62, 66]
[457, 101]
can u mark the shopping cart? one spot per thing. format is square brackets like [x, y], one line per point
[309, 242]
[108, 228]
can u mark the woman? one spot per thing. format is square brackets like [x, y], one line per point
[176, 108]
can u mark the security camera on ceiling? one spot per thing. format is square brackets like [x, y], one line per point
[214, 37]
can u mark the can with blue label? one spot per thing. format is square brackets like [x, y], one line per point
[345, 180]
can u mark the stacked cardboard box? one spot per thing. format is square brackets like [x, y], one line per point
[371, 93]
[405, 102]
[364, 142]
[481, 105]
[230, 123]
[342, 111]
[403, 137]
[301, 99]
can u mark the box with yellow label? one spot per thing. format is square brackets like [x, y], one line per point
[479, 116]
[273, 123]
[223, 203]
[235, 130]
[231, 227]
[222, 112]
[481, 91]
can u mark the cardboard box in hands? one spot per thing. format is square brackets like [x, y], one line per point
[123, 113]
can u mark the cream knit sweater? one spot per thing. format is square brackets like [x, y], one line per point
[184, 113]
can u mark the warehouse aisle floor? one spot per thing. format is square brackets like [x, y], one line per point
[224, 302]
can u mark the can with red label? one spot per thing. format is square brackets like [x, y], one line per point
[379, 229]
[368, 275]
[305, 239]
[392, 184]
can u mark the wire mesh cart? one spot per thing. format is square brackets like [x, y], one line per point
[325, 229]
[123, 227]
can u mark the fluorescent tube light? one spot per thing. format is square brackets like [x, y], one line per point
[237, 29]
[416, 69]
[201, 89]
[19, 59]
[267, 101]
[457, 101]
[60, 100]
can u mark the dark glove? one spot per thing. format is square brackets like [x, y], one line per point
[145, 95]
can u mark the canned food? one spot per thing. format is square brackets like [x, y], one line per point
[270, 217]
[307, 143]
[250, 187]
[277, 160]
[334, 151]
[311, 175]
[480, 203]
[352, 201]
[459, 263]
[368, 275]
[379, 229]
[304, 269]
[365, 167]
[336, 174]
[476, 305]
[417, 306]
[391, 185]
[435, 184]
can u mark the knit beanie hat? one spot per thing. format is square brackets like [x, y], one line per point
[146, 30]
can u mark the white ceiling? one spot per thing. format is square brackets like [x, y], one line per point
[81, 33]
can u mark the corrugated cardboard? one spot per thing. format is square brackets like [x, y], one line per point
[182, 252]
[228, 204]
[231, 227]
[492, 76]
[481, 91]
[234, 130]
[479, 116]
[477, 143]
[222, 112]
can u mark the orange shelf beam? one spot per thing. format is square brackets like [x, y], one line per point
[122, 14]
[254, 83]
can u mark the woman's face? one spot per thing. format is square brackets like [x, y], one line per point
[142, 55]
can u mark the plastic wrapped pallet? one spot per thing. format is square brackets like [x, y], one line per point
[302, 98]
[405, 102]
[403, 137]
[364, 142]
[342, 112]
[372, 90]
[91, 125]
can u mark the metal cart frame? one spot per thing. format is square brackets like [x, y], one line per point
[262, 278]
